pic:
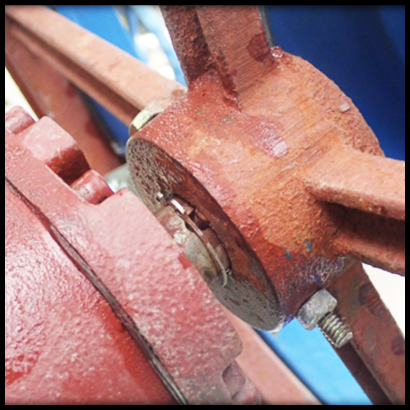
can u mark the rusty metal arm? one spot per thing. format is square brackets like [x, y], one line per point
[361, 181]
[50, 94]
[373, 187]
[376, 355]
[115, 79]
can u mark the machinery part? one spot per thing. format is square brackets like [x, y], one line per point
[317, 311]
[138, 274]
[378, 359]
[242, 147]
[59, 66]
[316, 308]
[191, 231]
[261, 365]
[258, 362]
[143, 117]
[111, 76]
[335, 330]
[44, 89]
[63, 345]
[212, 147]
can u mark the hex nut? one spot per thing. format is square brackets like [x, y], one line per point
[321, 303]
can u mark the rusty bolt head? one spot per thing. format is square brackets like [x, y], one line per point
[315, 308]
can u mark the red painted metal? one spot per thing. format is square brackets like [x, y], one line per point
[142, 274]
[92, 187]
[50, 144]
[261, 145]
[63, 344]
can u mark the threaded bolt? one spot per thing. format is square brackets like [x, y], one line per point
[335, 331]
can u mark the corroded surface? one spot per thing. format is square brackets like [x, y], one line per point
[260, 145]
[147, 281]
[249, 146]
[378, 340]
[111, 76]
[239, 145]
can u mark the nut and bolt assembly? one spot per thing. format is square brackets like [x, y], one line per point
[319, 311]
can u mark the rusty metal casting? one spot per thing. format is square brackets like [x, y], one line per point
[274, 156]
[142, 275]
[245, 145]
[239, 147]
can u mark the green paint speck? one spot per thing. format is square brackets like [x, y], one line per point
[287, 254]
[309, 246]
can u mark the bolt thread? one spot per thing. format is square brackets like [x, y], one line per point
[335, 330]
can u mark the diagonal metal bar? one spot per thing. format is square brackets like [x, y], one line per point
[50, 94]
[112, 77]
[378, 341]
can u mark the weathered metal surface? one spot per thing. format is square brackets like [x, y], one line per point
[377, 339]
[63, 344]
[143, 275]
[112, 77]
[274, 380]
[51, 94]
[362, 374]
[49, 143]
[374, 239]
[198, 241]
[374, 187]
[366, 182]
[240, 161]
[17, 120]
[243, 146]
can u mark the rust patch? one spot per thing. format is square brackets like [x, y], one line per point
[267, 138]
[398, 346]
[258, 48]
[369, 298]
